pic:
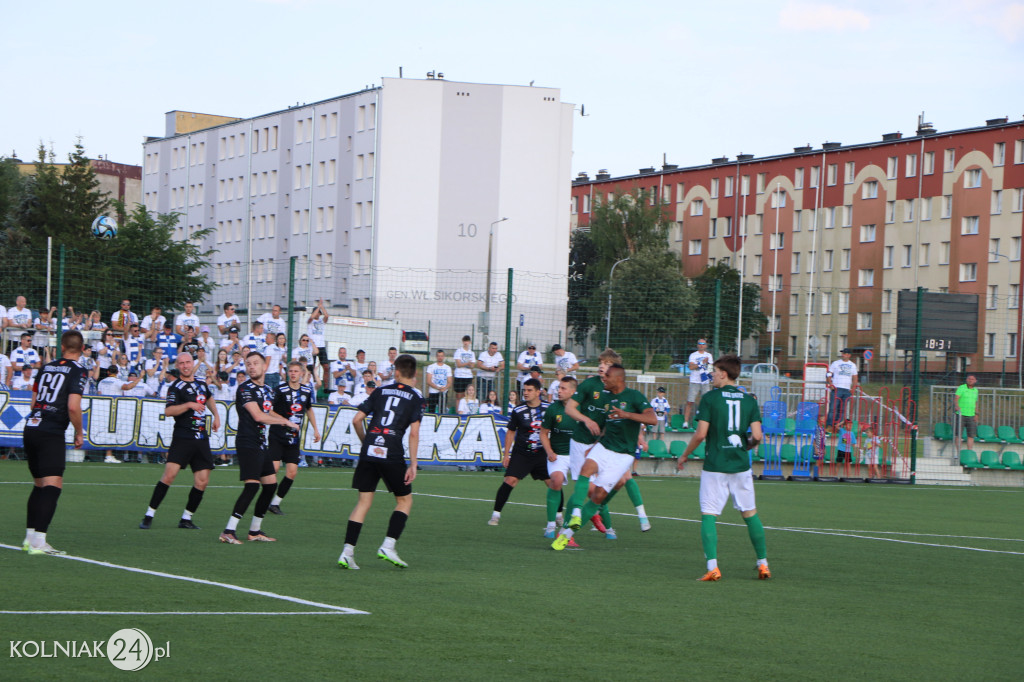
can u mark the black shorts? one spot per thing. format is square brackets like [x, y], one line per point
[194, 452]
[46, 453]
[321, 355]
[282, 452]
[254, 464]
[519, 466]
[461, 383]
[371, 470]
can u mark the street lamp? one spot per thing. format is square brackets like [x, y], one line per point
[487, 298]
[608, 327]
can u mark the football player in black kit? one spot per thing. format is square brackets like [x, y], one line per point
[188, 401]
[56, 402]
[254, 402]
[524, 453]
[291, 400]
[392, 409]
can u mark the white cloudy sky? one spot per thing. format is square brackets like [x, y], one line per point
[692, 80]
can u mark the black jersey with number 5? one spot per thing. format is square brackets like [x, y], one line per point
[188, 424]
[252, 434]
[54, 383]
[290, 403]
[391, 410]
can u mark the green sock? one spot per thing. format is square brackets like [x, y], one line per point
[554, 499]
[579, 496]
[609, 496]
[633, 490]
[709, 536]
[606, 518]
[756, 531]
[589, 509]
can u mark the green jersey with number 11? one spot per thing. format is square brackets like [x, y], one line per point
[729, 413]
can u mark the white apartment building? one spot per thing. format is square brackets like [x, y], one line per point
[380, 194]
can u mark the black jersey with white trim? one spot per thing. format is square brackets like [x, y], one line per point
[391, 410]
[54, 383]
[188, 424]
[526, 421]
[290, 403]
[252, 434]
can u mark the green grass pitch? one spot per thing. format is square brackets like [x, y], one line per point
[870, 582]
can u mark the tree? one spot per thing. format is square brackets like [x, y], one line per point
[625, 225]
[11, 190]
[726, 280]
[582, 258]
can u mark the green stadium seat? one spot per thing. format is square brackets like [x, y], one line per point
[675, 423]
[699, 452]
[676, 448]
[986, 434]
[969, 459]
[1008, 434]
[990, 460]
[788, 453]
[807, 453]
[656, 448]
[943, 431]
[790, 427]
[1011, 460]
[764, 451]
[1020, 432]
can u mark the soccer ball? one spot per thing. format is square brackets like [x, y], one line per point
[104, 227]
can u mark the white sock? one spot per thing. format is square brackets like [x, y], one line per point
[275, 501]
[712, 564]
[232, 523]
[186, 515]
[762, 562]
[255, 525]
[577, 511]
[150, 512]
[39, 540]
[641, 512]
[389, 543]
[29, 534]
[567, 532]
[495, 515]
[348, 550]
[551, 525]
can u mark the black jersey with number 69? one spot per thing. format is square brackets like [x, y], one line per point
[391, 410]
[54, 383]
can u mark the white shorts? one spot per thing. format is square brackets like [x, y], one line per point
[561, 463]
[716, 487]
[611, 466]
[869, 457]
[577, 455]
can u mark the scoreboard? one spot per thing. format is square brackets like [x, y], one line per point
[949, 322]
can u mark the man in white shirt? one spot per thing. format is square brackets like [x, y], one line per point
[5, 373]
[700, 363]
[358, 367]
[19, 316]
[341, 370]
[186, 319]
[151, 325]
[360, 396]
[465, 360]
[488, 365]
[228, 319]
[273, 322]
[133, 344]
[842, 380]
[3, 317]
[316, 329]
[527, 359]
[439, 377]
[206, 342]
[386, 368]
[565, 361]
[23, 380]
[25, 355]
[256, 339]
[121, 319]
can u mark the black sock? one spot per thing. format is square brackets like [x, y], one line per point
[284, 487]
[245, 499]
[158, 494]
[561, 500]
[263, 503]
[397, 524]
[502, 497]
[352, 532]
[32, 517]
[48, 496]
[195, 496]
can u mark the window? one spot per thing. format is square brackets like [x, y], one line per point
[778, 199]
[697, 207]
[944, 253]
[272, 225]
[360, 164]
[794, 303]
[815, 175]
[762, 178]
[574, 205]
[714, 188]
[695, 247]
[830, 217]
[969, 224]
[328, 264]
[827, 266]
[863, 321]
[795, 263]
[907, 252]
[775, 283]
[887, 256]
[777, 241]
[922, 255]
[911, 165]
[844, 302]
[886, 345]
[993, 250]
[851, 172]
[833, 170]
[867, 233]
[666, 194]
[846, 259]
[869, 190]
[929, 163]
[1014, 301]
[357, 215]
[798, 178]
[949, 161]
[887, 301]
[792, 340]
[908, 211]
[757, 265]
[926, 208]
[826, 303]
[990, 345]
[370, 163]
[797, 214]
[890, 211]
[999, 154]
[745, 185]
[992, 299]
[777, 324]
[826, 345]
[866, 278]
[586, 202]
[968, 272]
[1011, 345]
[972, 178]
[726, 225]
[847, 215]
[997, 201]
[713, 231]
[680, 192]
[758, 223]
[1018, 200]
[891, 167]
[1014, 248]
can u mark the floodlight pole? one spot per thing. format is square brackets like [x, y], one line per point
[608, 322]
[487, 295]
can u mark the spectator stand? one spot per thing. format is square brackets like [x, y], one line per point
[773, 423]
[804, 431]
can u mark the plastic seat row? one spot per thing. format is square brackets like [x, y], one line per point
[986, 434]
[991, 460]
